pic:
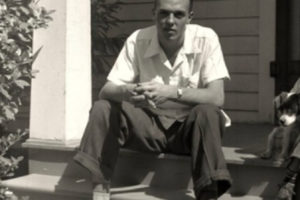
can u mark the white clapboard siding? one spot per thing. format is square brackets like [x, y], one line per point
[243, 116]
[237, 24]
[239, 45]
[202, 9]
[242, 64]
[224, 27]
[241, 101]
[241, 83]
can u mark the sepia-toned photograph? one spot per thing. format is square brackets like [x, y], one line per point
[149, 99]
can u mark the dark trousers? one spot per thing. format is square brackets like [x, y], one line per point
[114, 125]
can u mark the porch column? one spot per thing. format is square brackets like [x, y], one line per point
[61, 91]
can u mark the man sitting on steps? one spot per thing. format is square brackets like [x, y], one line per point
[163, 94]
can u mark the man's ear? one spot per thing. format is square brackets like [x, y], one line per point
[191, 15]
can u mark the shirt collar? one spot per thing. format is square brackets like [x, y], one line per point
[154, 47]
[190, 45]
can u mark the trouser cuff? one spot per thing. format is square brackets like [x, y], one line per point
[222, 177]
[92, 165]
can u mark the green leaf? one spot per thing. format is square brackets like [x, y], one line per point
[14, 107]
[10, 115]
[4, 160]
[23, 37]
[16, 74]
[25, 10]
[21, 83]
[5, 93]
[36, 54]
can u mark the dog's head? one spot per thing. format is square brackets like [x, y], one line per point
[289, 110]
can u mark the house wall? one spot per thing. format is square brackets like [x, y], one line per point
[245, 33]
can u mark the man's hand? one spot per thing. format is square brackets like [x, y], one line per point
[156, 92]
[142, 101]
[147, 94]
[139, 99]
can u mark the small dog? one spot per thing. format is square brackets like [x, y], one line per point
[283, 138]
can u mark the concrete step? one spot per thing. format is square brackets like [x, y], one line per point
[251, 175]
[46, 187]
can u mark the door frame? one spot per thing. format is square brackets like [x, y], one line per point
[267, 26]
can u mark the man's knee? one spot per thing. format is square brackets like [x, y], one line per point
[203, 110]
[100, 108]
[205, 113]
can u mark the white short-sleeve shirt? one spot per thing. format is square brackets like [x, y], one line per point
[199, 61]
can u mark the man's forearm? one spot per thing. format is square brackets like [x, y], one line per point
[191, 97]
[194, 96]
[116, 93]
[212, 94]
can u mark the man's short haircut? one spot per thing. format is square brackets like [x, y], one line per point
[190, 8]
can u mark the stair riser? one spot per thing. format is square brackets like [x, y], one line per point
[147, 170]
[57, 163]
[247, 179]
[130, 169]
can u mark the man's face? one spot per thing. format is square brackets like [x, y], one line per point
[171, 17]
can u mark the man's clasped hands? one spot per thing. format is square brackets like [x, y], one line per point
[150, 94]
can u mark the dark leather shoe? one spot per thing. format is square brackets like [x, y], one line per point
[208, 195]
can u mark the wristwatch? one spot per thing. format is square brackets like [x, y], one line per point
[179, 93]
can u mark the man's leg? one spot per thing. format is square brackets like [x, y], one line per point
[110, 126]
[287, 186]
[200, 134]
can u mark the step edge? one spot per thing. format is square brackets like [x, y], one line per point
[14, 185]
[56, 145]
[116, 192]
[237, 159]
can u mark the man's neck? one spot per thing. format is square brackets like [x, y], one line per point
[171, 51]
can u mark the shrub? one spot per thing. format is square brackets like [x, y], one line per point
[103, 46]
[18, 19]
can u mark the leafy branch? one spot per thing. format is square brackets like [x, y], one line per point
[103, 20]
[18, 20]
